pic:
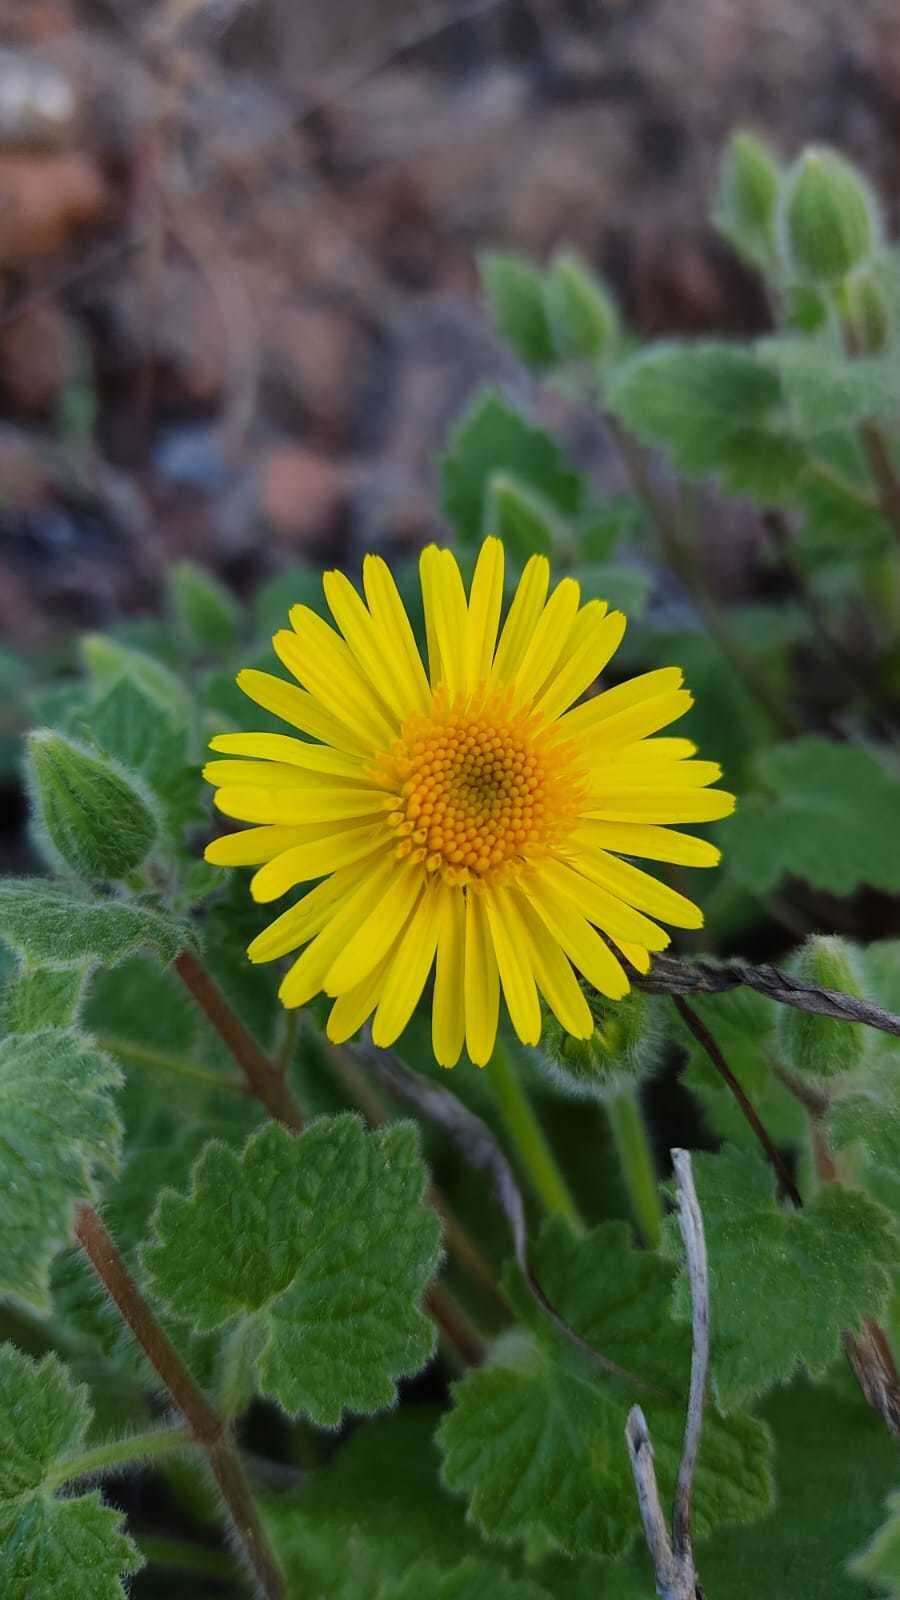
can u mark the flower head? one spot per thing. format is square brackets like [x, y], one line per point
[472, 819]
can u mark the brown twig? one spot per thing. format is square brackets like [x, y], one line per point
[270, 1086]
[884, 474]
[707, 1042]
[206, 1426]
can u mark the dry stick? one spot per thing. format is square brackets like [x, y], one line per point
[673, 1559]
[207, 1427]
[704, 1038]
[266, 1082]
[271, 1087]
[668, 975]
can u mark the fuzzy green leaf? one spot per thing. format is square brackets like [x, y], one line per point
[536, 1437]
[127, 724]
[326, 1240]
[690, 397]
[51, 1549]
[520, 517]
[44, 997]
[206, 611]
[54, 925]
[824, 390]
[58, 1131]
[784, 1284]
[109, 662]
[623, 588]
[493, 437]
[807, 823]
[515, 294]
[880, 1560]
[583, 318]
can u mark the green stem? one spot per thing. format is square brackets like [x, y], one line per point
[161, 1061]
[530, 1140]
[636, 1160]
[186, 1557]
[118, 1454]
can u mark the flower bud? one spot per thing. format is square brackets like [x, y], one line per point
[821, 1047]
[582, 315]
[95, 819]
[829, 217]
[868, 313]
[206, 613]
[623, 1048]
[747, 200]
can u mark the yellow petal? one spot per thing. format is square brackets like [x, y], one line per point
[289, 806]
[352, 1009]
[429, 568]
[306, 976]
[309, 916]
[649, 841]
[377, 932]
[636, 954]
[481, 982]
[270, 775]
[638, 889]
[249, 847]
[671, 775]
[300, 709]
[527, 605]
[555, 978]
[448, 1015]
[315, 858]
[605, 910]
[410, 964]
[290, 752]
[450, 621]
[516, 975]
[548, 640]
[585, 719]
[389, 612]
[662, 806]
[656, 752]
[321, 661]
[584, 947]
[373, 650]
[485, 601]
[585, 658]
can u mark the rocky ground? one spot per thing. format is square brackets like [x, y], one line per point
[238, 293]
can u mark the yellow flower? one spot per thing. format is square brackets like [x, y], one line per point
[470, 819]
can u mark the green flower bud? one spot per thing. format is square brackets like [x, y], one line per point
[820, 1047]
[747, 199]
[205, 611]
[583, 317]
[829, 217]
[624, 1047]
[868, 313]
[95, 819]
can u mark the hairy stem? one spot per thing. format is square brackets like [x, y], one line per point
[140, 1055]
[117, 1455]
[629, 1131]
[205, 1426]
[530, 1140]
[269, 1085]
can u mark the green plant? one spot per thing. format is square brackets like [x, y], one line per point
[231, 1207]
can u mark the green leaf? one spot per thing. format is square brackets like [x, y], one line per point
[326, 1240]
[693, 397]
[835, 1462]
[473, 1580]
[536, 1437]
[880, 1561]
[51, 1549]
[108, 662]
[52, 924]
[749, 180]
[93, 817]
[492, 437]
[784, 1284]
[521, 518]
[45, 997]
[515, 294]
[58, 1132]
[810, 823]
[824, 390]
[205, 610]
[583, 319]
[127, 725]
[623, 588]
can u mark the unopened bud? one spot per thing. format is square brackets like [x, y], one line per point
[747, 200]
[821, 1047]
[205, 610]
[95, 818]
[623, 1048]
[829, 217]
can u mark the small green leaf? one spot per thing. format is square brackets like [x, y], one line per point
[623, 588]
[784, 1284]
[96, 819]
[492, 437]
[205, 610]
[108, 662]
[58, 1131]
[45, 997]
[535, 1437]
[326, 1240]
[515, 294]
[51, 1549]
[747, 200]
[127, 725]
[880, 1561]
[809, 823]
[51, 924]
[521, 518]
[583, 318]
[825, 391]
[693, 398]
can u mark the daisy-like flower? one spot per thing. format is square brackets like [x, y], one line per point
[472, 818]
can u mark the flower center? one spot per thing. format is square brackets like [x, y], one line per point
[479, 792]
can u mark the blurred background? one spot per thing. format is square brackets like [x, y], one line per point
[239, 303]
